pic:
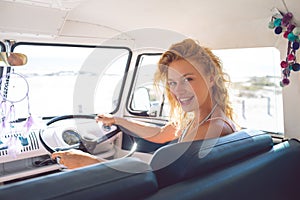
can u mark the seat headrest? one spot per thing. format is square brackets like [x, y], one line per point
[180, 161]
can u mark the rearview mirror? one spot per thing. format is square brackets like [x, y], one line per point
[12, 59]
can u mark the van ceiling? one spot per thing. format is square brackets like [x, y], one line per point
[217, 24]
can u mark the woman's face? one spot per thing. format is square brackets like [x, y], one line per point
[188, 85]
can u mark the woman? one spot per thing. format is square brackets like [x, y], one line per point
[195, 85]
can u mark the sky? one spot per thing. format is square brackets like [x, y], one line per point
[250, 62]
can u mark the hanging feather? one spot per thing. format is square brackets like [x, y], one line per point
[28, 125]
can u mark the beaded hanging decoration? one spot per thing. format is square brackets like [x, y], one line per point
[283, 23]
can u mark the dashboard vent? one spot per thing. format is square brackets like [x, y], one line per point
[30, 143]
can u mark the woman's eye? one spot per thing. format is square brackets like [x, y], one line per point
[187, 79]
[172, 84]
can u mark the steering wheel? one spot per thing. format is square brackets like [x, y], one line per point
[85, 144]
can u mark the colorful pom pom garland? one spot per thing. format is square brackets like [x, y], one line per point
[284, 24]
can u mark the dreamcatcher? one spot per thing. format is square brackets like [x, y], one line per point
[14, 89]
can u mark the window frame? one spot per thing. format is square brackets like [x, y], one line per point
[124, 78]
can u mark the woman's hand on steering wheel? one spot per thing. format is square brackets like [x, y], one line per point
[106, 119]
[74, 158]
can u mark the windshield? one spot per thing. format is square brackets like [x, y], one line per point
[68, 79]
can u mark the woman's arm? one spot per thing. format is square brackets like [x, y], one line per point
[75, 158]
[153, 134]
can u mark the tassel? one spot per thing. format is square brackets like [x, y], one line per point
[28, 125]
[14, 146]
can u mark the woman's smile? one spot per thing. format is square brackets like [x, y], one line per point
[185, 101]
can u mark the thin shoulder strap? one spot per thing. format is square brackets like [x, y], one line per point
[184, 131]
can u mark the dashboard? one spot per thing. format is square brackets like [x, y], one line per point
[25, 156]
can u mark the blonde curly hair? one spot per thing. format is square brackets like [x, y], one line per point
[191, 51]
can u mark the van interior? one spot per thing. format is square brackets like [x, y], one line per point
[62, 62]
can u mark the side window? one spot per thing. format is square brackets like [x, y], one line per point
[255, 92]
[146, 100]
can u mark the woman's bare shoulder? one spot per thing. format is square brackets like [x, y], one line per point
[220, 126]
